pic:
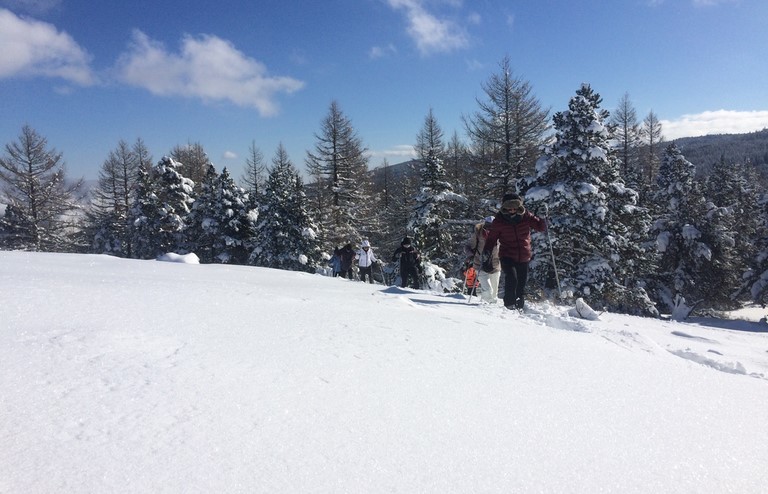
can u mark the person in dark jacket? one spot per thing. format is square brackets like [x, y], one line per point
[410, 263]
[512, 228]
[348, 256]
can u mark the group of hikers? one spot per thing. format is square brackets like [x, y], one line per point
[500, 243]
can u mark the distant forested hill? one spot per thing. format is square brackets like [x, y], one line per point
[705, 151]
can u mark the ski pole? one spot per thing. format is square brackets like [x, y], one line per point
[552, 253]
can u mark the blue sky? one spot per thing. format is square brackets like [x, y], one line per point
[228, 73]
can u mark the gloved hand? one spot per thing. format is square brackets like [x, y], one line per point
[487, 263]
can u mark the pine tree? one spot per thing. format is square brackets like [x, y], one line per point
[755, 279]
[734, 188]
[595, 217]
[222, 222]
[691, 236]
[436, 204]
[202, 222]
[286, 234]
[159, 212]
[41, 201]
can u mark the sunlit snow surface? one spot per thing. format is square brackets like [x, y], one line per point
[145, 376]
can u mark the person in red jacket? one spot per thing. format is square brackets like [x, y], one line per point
[512, 228]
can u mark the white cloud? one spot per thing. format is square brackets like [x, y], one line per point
[35, 48]
[207, 67]
[715, 122]
[230, 155]
[432, 35]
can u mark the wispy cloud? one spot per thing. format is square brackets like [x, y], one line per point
[35, 7]
[715, 122]
[709, 3]
[381, 51]
[229, 156]
[394, 155]
[207, 67]
[431, 34]
[34, 48]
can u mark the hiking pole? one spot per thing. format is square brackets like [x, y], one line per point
[552, 253]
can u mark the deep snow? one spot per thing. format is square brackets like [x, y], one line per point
[144, 376]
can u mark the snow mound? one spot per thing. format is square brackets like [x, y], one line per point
[183, 259]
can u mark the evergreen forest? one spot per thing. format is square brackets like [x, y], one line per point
[637, 224]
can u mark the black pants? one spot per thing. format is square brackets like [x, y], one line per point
[515, 278]
[347, 273]
[412, 273]
[366, 271]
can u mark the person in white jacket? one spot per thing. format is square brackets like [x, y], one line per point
[365, 261]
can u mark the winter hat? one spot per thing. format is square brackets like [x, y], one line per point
[510, 196]
[406, 241]
[365, 244]
[488, 220]
[512, 202]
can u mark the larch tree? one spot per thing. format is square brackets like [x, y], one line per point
[253, 176]
[40, 199]
[339, 164]
[626, 130]
[509, 126]
[652, 137]
[107, 218]
[193, 161]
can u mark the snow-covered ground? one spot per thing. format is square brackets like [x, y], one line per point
[149, 377]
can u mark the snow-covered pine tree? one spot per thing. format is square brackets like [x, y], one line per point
[691, 238]
[203, 221]
[595, 221]
[755, 279]
[236, 216]
[436, 205]
[733, 186]
[286, 235]
[158, 215]
[340, 165]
